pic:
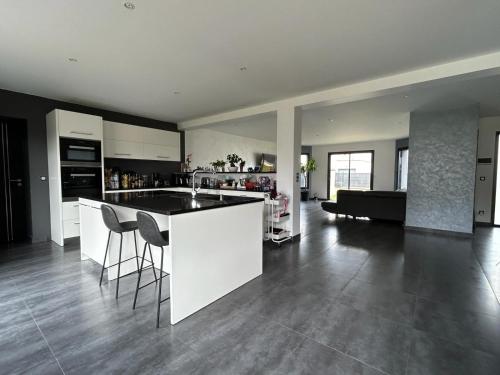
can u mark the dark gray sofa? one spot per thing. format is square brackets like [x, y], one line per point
[384, 205]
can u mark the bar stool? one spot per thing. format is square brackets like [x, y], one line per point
[111, 221]
[148, 228]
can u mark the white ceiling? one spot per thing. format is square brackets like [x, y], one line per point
[133, 61]
[380, 118]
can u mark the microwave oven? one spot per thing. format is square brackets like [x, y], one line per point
[79, 151]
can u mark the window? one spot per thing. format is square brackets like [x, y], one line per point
[349, 171]
[304, 177]
[402, 169]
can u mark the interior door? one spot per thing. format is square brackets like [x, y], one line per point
[4, 202]
[15, 178]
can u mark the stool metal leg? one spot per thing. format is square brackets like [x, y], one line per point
[159, 291]
[136, 252]
[139, 277]
[105, 255]
[119, 264]
[152, 263]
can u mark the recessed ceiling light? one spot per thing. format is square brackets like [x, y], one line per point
[72, 59]
[243, 68]
[176, 92]
[406, 96]
[330, 119]
[129, 5]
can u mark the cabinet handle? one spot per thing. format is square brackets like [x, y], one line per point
[75, 205]
[163, 157]
[81, 133]
[119, 154]
[76, 223]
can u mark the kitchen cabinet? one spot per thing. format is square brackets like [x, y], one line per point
[123, 149]
[161, 137]
[159, 152]
[93, 236]
[122, 132]
[71, 228]
[137, 142]
[79, 125]
[70, 210]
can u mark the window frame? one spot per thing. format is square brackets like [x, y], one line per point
[398, 167]
[372, 152]
[307, 173]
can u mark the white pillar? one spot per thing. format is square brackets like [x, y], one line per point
[288, 146]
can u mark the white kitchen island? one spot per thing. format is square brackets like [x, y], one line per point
[215, 246]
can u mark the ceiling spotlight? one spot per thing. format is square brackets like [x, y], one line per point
[72, 59]
[243, 68]
[176, 92]
[129, 5]
[406, 96]
[330, 119]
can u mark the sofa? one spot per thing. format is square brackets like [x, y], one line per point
[383, 205]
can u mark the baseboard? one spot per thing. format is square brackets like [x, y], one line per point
[483, 224]
[438, 231]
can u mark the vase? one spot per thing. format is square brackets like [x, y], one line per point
[233, 169]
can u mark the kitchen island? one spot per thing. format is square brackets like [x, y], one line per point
[215, 244]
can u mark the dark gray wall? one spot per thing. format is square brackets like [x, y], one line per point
[442, 167]
[33, 109]
[400, 143]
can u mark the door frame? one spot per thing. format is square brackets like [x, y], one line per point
[494, 187]
[372, 152]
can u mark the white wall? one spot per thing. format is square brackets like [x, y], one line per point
[209, 145]
[383, 169]
[488, 127]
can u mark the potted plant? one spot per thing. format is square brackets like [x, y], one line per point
[242, 164]
[218, 165]
[305, 169]
[233, 159]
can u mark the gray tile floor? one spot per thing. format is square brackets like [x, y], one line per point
[349, 298]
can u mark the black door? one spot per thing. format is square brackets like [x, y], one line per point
[13, 180]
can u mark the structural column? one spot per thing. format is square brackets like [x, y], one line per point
[289, 125]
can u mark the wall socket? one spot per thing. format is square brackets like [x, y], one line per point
[480, 212]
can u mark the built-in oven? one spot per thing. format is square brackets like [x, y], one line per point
[81, 181]
[79, 151]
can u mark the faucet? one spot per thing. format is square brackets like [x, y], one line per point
[195, 190]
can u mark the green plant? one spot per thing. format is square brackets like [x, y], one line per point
[218, 164]
[310, 166]
[233, 159]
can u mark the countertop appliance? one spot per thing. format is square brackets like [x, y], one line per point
[75, 151]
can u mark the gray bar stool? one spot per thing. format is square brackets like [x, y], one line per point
[111, 221]
[148, 228]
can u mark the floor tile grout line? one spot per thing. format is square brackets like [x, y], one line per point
[43, 336]
[408, 356]
[486, 276]
[332, 348]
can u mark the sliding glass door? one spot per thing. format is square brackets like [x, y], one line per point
[349, 171]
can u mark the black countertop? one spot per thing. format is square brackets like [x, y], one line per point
[172, 203]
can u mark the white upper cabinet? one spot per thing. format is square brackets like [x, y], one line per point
[159, 152]
[122, 132]
[79, 125]
[162, 137]
[136, 142]
[123, 149]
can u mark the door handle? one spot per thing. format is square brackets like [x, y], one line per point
[81, 133]
[16, 180]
